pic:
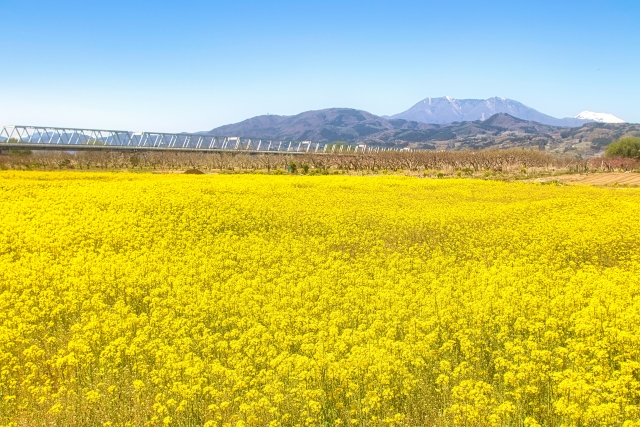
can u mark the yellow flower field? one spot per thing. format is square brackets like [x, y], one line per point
[255, 300]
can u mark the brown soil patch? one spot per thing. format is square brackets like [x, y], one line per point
[194, 172]
[605, 178]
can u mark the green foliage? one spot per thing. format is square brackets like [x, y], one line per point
[293, 168]
[19, 152]
[625, 147]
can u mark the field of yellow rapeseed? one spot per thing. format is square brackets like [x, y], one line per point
[255, 300]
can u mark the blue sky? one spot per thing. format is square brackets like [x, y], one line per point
[196, 65]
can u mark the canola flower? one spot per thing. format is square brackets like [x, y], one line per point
[252, 300]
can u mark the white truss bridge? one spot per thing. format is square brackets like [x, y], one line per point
[72, 139]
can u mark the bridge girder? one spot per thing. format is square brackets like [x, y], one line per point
[75, 139]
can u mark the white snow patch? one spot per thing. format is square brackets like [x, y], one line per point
[453, 102]
[599, 117]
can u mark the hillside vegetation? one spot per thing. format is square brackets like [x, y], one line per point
[253, 300]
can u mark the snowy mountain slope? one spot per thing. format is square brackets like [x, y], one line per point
[447, 110]
[599, 117]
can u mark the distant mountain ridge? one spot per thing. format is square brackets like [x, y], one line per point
[498, 131]
[350, 125]
[331, 124]
[448, 110]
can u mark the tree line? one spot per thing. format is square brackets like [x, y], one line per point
[428, 162]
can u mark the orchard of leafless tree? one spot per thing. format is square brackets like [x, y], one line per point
[426, 162]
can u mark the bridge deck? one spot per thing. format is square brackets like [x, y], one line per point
[80, 147]
[73, 139]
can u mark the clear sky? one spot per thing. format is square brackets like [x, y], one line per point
[195, 65]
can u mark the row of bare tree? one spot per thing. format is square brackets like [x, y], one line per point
[445, 161]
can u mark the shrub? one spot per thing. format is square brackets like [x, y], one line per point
[19, 152]
[628, 147]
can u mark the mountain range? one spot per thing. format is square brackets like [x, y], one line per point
[448, 110]
[500, 130]
[335, 123]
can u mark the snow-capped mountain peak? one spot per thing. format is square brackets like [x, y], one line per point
[447, 110]
[599, 117]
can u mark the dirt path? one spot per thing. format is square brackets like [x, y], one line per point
[606, 178]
